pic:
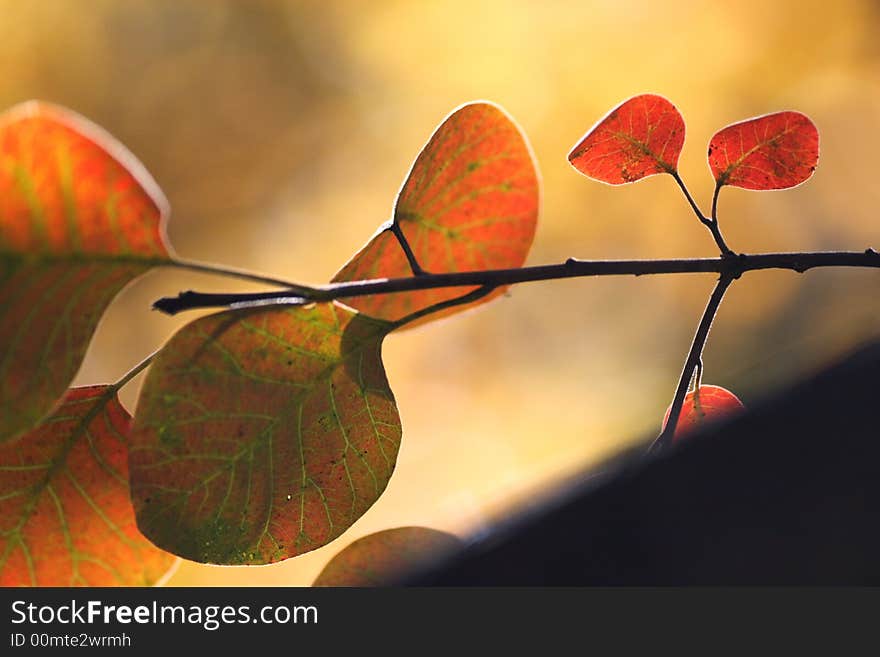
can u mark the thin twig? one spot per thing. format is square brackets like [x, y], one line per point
[709, 222]
[479, 293]
[694, 358]
[414, 265]
[733, 266]
[718, 187]
[230, 272]
[134, 371]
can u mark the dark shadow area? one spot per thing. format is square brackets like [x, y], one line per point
[786, 494]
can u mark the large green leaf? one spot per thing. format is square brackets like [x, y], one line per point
[79, 219]
[262, 434]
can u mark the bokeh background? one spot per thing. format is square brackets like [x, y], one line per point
[281, 131]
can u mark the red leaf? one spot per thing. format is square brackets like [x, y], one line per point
[79, 219]
[775, 151]
[470, 202]
[263, 434]
[641, 137]
[65, 514]
[381, 559]
[707, 404]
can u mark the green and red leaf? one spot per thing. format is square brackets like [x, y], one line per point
[79, 219]
[641, 137]
[381, 559]
[775, 151]
[470, 202]
[65, 514]
[706, 404]
[262, 434]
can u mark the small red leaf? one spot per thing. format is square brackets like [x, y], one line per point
[382, 558]
[470, 202]
[639, 138]
[706, 404]
[66, 518]
[775, 151]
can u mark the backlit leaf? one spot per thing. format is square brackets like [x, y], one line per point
[470, 202]
[263, 434]
[65, 514]
[383, 558]
[639, 138]
[79, 219]
[706, 404]
[775, 151]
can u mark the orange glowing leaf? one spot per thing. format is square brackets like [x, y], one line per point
[79, 219]
[707, 404]
[381, 559]
[775, 151]
[470, 202]
[65, 513]
[262, 434]
[639, 138]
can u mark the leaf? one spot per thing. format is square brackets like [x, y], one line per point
[79, 219]
[707, 404]
[641, 137]
[65, 514]
[470, 202]
[383, 558]
[263, 434]
[775, 151]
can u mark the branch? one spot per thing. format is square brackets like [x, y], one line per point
[414, 265]
[192, 265]
[479, 293]
[692, 362]
[731, 266]
[709, 222]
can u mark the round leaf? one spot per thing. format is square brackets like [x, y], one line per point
[79, 219]
[639, 138]
[470, 202]
[383, 558]
[263, 434]
[706, 404]
[65, 513]
[775, 151]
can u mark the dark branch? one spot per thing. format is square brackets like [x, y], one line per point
[407, 250]
[732, 266]
[479, 293]
[693, 361]
[710, 223]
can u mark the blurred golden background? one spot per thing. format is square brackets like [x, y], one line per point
[281, 132]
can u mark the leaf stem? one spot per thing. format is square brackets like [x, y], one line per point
[718, 186]
[206, 268]
[693, 360]
[134, 371]
[407, 250]
[479, 293]
[710, 223]
[734, 266]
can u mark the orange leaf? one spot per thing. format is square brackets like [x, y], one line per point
[641, 137]
[263, 434]
[775, 151]
[382, 558]
[65, 514]
[79, 219]
[708, 403]
[470, 202]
